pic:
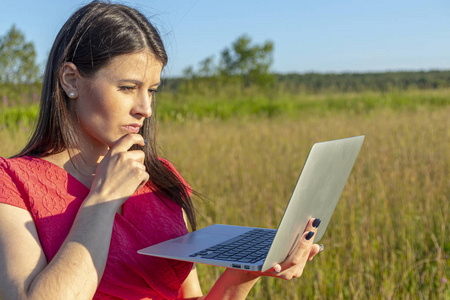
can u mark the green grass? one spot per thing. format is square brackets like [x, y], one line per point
[18, 116]
[256, 103]
[389, 236]
[177, 107]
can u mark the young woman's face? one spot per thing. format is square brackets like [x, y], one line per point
[117, 99]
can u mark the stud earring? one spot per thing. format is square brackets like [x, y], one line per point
[72, 95]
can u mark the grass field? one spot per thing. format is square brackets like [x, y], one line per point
[390, 235]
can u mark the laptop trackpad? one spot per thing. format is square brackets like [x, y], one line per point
[199, 238]
[211, 235]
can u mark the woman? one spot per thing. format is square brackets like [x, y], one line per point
[88, 191]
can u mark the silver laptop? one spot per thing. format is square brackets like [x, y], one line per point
[316, 194]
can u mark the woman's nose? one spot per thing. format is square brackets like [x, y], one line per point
[143, 106]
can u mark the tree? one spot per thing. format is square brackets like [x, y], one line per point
[250, 62]
[242, 65]
[17, 59]
[207, 68]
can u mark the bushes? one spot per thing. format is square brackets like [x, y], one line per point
[179, 107]
[18, 116]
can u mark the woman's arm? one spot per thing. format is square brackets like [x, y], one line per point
[236, 284]
[76, 269]
[190, 288]
[73, 273]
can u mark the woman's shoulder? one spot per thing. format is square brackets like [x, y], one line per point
[21, 168]
[8, 163]
[19, 159]
[166, 163]
[19, 162]
[13, 173]
[170, 166]
[174, 171]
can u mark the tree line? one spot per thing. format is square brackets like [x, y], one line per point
[241, 67]
[328, 82]
[358, 82]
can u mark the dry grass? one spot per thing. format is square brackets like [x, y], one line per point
[13, 140]
[389, 237]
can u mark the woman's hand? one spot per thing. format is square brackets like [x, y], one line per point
[294, 264]
[236, 284]
[121, 172]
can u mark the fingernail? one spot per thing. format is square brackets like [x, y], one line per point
[316, 223]
[145, 142]
[321, 248]
[277, 269]
[309, 235]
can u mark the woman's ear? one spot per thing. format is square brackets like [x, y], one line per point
[69, 78]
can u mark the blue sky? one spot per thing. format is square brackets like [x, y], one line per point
[309, 35]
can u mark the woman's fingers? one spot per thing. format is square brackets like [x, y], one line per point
[315, 249]
[306, 242]
[122, 172]
[145, 178]
[126, 142]
[121, 150]
[305, 250]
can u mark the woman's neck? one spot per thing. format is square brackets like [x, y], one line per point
[80, 166]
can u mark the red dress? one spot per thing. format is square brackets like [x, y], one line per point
[53, 197]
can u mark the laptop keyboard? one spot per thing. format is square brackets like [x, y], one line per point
[248, 247]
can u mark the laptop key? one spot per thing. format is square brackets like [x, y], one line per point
[247, 247]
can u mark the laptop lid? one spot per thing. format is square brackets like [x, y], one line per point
[316, 193]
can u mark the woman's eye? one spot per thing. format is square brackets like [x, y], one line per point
[127, 88]
[152, 92]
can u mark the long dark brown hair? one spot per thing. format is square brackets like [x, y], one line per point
[90, 38]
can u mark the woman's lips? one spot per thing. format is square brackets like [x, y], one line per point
[132, 128]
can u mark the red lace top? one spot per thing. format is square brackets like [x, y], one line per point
[53, 197]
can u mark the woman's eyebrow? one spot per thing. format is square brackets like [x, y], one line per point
[131, 80]
[138, 82]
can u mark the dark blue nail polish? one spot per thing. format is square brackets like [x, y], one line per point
[309, 235]
[316, 223]
[145, 142]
